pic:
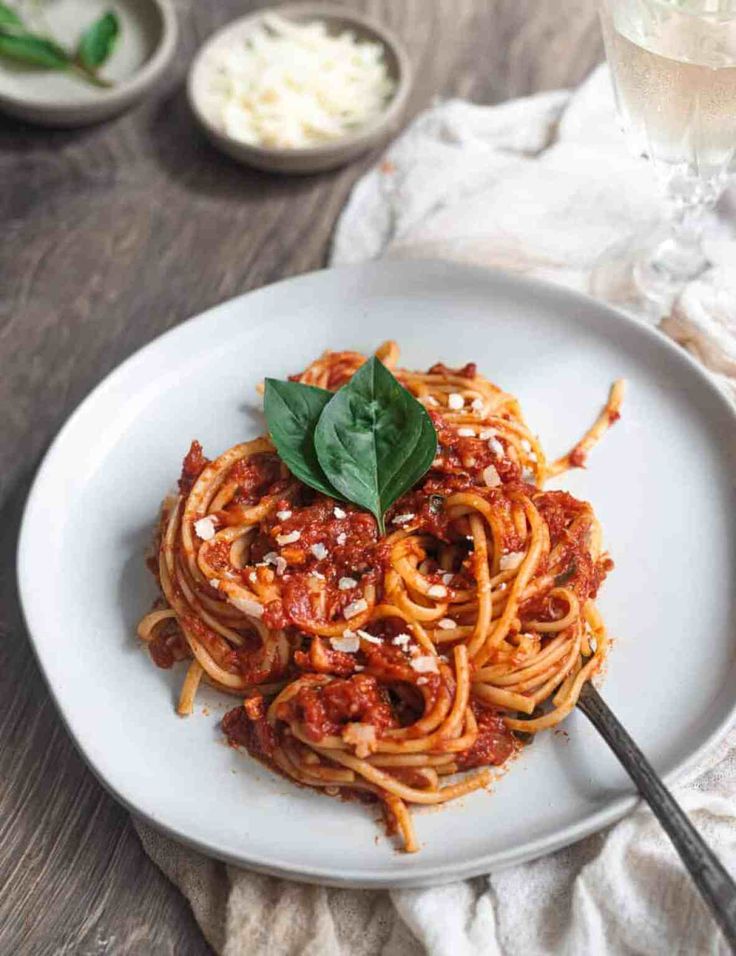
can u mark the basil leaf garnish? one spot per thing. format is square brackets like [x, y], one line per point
[374, 440]
[98, 41]
[8, 16]
[31, 49]
[292, 411]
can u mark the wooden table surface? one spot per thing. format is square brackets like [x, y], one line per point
[111, 235]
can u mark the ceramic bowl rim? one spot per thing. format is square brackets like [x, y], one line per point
[349, 144]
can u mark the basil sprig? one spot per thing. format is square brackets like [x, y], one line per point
[292, 411]
[367, 443]
[19, 42]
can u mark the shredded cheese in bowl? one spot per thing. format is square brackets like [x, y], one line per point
[290, 85]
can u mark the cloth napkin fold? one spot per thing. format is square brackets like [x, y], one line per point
[541, 185]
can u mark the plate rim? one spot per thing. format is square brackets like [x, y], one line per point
[377, 877]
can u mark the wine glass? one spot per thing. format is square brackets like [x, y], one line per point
[673, 67]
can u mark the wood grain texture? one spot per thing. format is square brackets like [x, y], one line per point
[112, 235]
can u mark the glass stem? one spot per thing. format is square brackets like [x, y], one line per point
[680, 256]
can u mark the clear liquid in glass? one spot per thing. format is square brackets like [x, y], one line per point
[675, 83]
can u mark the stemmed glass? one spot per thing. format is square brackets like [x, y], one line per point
[673, 66]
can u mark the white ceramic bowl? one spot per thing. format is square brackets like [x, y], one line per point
[144, 49]
[308, 159]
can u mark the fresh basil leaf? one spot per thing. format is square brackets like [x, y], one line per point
[374, 440]
[31, 49]
[9, 17]
[292, 411]
[98, 42]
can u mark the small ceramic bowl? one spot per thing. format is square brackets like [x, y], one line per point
[144, 49]
[308, 159]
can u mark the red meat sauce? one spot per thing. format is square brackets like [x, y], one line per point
[351, 540]
[469, 370]
[246, 726]
[192, 467]
[495, 742]
[324, 710]
[168, 646]
[581, 573]
[469, 456]
[252, 478]
[385, 694]
[382, 660]
[235, 660]
[336, 540]
[255, 477]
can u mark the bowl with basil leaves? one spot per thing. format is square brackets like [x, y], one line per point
[73, 62]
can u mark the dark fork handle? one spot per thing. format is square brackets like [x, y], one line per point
[711, 879]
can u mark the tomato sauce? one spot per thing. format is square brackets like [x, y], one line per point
[470, 370]
[192, 467]
[250, 729]
[494, 745]
[255, 477]
[324, 709]
[168, 647]
[581, 573]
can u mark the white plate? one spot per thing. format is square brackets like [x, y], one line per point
[661, 482]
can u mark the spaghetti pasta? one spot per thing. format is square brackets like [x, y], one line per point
[386, 667]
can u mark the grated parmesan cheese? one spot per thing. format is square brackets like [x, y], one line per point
[466, 432]
[319, 551]
[355, 608]
[283, 515]
[437, 591]
[404, 519]
[447, 577]
[339, 513]
[282, 539]
[496, 447]
[345, 584]
[491, 477]
[276, 560]
[511, 561]
[369, 637]
[349, 643]
[362, 737]
[425, 665]
[288, 85]
[205, 528]
[342, 538]
[246, 605]
[455, 401]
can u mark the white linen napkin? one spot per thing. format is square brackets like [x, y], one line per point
[540, 185]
